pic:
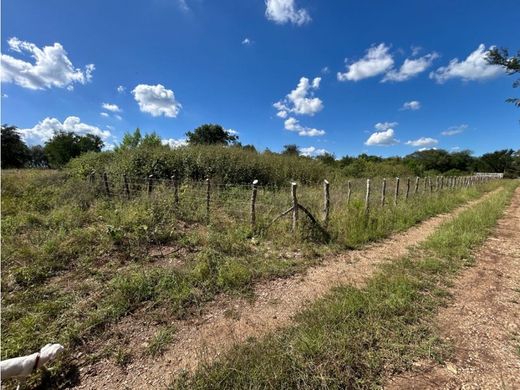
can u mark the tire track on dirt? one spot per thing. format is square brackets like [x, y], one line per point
[482, 320]
[228, 320]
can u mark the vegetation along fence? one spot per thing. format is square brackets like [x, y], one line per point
[261, 206]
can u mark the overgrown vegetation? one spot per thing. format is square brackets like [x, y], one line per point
[354, 337]
[74, 260]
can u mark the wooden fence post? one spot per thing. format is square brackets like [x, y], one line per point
[326, 202]
[349, 192]
[175, 186]
[92, 177]
[367, 197]
[105, 180]
[150, 185]
[416, 188]
[396, 195]
[208, 199]
[294, 206]
[383, 192]
[430, 182]
[254, 190]
[407, 189]
[127, 188]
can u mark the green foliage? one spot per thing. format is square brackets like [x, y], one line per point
[511, 64]
[291, 150]
[15, 153]
[136, 140]
[210, 134]
[64, 146]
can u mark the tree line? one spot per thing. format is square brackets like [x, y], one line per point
[64, 146]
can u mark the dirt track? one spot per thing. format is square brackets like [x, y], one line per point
[227, 321]
[483, 320]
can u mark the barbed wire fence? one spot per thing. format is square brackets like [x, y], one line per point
[261, 205]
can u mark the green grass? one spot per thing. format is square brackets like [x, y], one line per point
[74, 261]
[354, 337]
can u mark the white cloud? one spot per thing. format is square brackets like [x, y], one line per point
[284, 11]
[454, 130]
[301, 100]
[175, 143]
[455, 148]
[411, 105]
[423, 142]
[51, 67]
[118, 117]
[247, 42]
[44, 130]
[474, 67]
[232, 132]
[292, 124]
[376, 61]
[381, 126]
[111, 107]
[105, 114]
[410, 68]
[423, 149]
[312, 151]
[121, 89]
[325, 70]
[382, 138]
[156, 100]
[5, 96]
[183, 5]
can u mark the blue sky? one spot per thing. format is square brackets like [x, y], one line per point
[325, 75]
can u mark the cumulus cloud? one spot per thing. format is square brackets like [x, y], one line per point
[285, 11]
[454, 130]
[411, 105]
[174, 143]
[156, 100]
[121, 89]
[376, 61]
[45, 129]
[232, 132]
[423, 142]
[384, 136]
[105, 114]
[292, 124]
[247, 42]
[474, 67]
[410, 68]
[51, 67]
[301, 100]
[111, 107]
[312, 151]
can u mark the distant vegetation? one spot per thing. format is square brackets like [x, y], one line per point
[212, 151]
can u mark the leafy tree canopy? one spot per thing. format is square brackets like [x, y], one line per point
[290, 150]
[511, 64]
[210, 134]
[64, 146]
[15, 153]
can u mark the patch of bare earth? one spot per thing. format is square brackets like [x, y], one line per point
[483, 321]
[230, 320]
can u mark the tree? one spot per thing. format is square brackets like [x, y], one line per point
[511, 64]
[38, 159]
[15, 153]
[64, 146]
[130, 140]
[500, 161]
[327, 158]
[290, 150]
[210, 134]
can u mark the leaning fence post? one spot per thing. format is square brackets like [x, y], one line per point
[253, 204]
[294, 206]
[150, 185]
[416, 185]
[407, 189]
[383, 192]
[175, 190]
[396, 195]
[326, 202]
[367, 197]
[127, 188]
[105, 180]
[349, 192]
[208, 198]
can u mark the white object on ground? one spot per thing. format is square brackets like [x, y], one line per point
[23, 366]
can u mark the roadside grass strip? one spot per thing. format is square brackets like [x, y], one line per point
[355, 337]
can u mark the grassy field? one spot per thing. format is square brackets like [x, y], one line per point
[354, 337]
[74, 260]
